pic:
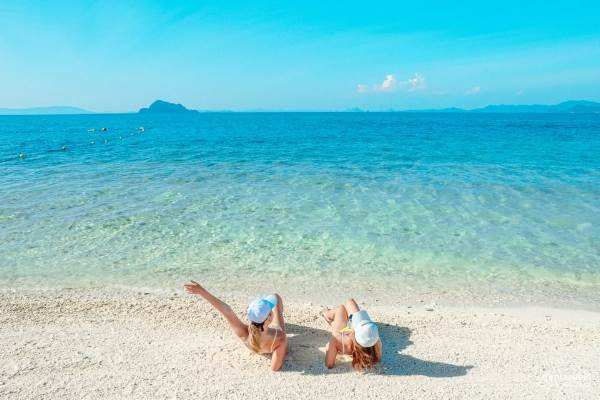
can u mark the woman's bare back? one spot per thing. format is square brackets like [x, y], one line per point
[269, 341]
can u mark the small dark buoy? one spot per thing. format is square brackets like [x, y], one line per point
[141, 129]
[64, 148]
[104, 129]
[22, 156]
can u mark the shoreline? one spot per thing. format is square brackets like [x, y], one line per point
[106, 343]
[328, 290]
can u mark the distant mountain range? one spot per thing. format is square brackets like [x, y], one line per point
[572, 106]
[164, 107]
[44, 111]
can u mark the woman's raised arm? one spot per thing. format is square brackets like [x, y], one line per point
[238, 327]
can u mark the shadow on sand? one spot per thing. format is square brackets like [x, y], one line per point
[307, 354]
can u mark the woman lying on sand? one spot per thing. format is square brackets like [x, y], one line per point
[257, 336]
[353, 333]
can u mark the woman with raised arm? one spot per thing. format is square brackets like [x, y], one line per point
[257, 336]
[352, 333]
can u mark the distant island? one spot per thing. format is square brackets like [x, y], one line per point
[572, 106]
[164, 107]
[55, 110]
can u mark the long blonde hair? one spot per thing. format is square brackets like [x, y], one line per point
[364, 358]
[254, 331]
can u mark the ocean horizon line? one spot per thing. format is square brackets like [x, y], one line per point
[563, 107]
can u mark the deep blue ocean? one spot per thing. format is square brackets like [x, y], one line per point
[507, 203]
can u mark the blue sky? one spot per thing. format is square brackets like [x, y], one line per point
[310, 55]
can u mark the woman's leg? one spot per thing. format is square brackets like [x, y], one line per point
[351, 306]
[340, 319]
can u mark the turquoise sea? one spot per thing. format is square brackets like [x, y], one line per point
[485, 203]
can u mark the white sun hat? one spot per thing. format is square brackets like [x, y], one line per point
[259, 309]
[365, 330]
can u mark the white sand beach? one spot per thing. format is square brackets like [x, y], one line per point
[75, 344]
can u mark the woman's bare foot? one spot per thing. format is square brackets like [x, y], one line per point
[326, 314]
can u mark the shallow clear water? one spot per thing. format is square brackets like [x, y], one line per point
[509, 203]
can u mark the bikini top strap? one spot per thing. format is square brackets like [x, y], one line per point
[344, 330]
[274, 339]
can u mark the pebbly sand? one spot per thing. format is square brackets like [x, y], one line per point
[76, 344]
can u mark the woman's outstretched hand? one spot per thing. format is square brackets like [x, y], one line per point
[194, 288]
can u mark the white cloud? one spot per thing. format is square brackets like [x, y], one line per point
[473, 91]
[391, 84]
[519, 92]
[417, 82]
[388, 84]
[362, 88]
